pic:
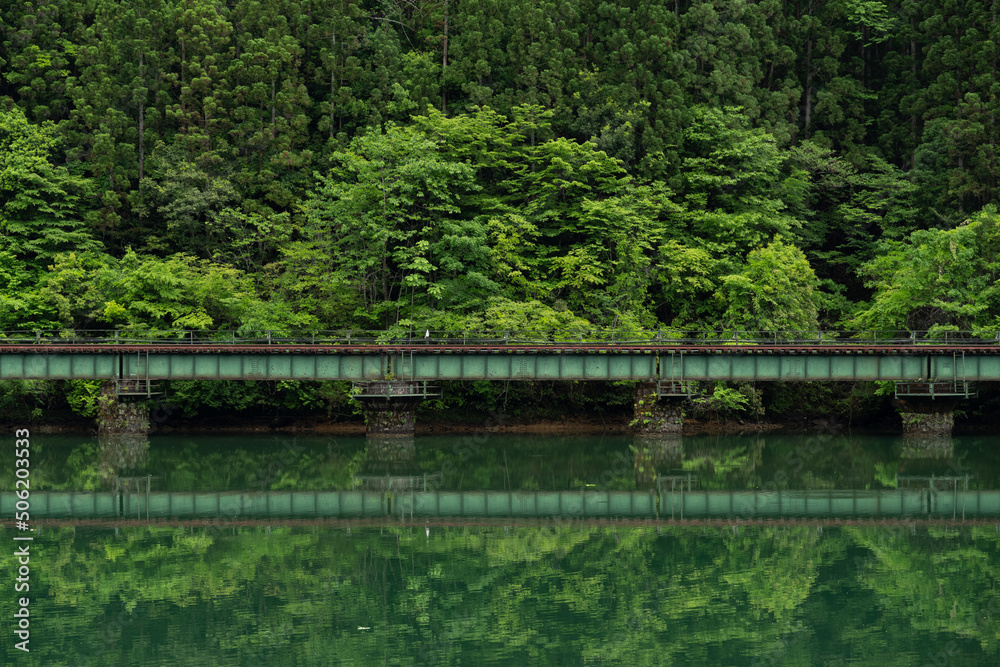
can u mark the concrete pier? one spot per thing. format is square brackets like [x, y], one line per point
[926, 417]
[122, 435]
[656, 415]
[118, 415]
[390, 419]
[390, 406]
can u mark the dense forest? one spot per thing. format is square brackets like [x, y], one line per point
[475, 165]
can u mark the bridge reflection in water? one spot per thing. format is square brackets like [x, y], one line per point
[932, 501]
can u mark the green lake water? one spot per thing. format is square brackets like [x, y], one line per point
[549, 590]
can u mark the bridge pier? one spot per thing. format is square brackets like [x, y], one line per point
[392, 418]
[122, 433]
[653, 414]
[389, 409]
[117, 415]
[924, 417]
[390, 406]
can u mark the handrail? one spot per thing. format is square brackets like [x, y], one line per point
[567, 338]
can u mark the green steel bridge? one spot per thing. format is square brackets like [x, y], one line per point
[929, 365]
[953, 503]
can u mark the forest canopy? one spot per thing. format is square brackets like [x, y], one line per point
[486, 164]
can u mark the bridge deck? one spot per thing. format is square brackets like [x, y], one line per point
[228, 506]
[454, 361]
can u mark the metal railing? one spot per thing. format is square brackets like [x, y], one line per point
[936, 389]
[394, 389]
[566, 337]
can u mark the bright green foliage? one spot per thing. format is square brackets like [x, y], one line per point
[775, 291]
[146, 292]
[937, 278]
[725, 402]
[732, 182]
[82, 396]
[531, 317]
[387, 216]
[20, 304]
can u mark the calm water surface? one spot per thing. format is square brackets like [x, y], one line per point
[506, 462]
[543, 592]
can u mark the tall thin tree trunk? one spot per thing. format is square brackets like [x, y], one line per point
[142, 121]
[809, 88]
[273, 96]
[913, 112]
[444, 60]
[142, 142]
[993, 83]
[183, 85]
[333, 80]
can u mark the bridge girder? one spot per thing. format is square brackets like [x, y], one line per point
[607, 364]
